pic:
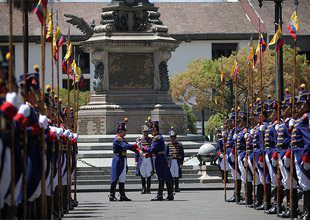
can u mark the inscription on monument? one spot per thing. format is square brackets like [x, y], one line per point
[131, 71]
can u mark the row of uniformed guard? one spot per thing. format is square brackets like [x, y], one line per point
[278, 139]
[36, 121]
[151, 154]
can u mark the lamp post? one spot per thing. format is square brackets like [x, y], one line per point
[278, 20]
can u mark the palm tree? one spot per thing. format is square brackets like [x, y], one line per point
[29, 6]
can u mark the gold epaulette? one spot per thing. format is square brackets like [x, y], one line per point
[156, 138]
[119, 139]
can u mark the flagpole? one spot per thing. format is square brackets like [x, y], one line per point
[293, 108]
[262, 120]
[12, 209]
[252, 123]
[236, 132]
[24, 131]
[75, 168]
[224, 140]
[59, 145]
[53, 143]
[43, 189]
[69, 126]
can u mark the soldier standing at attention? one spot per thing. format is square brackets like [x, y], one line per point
[175, 155]
[119, 162]
[161, 164]
[145, 164]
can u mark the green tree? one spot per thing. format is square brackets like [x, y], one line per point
[191, 118]
[84, 97]
[200, 84]
[214, 122]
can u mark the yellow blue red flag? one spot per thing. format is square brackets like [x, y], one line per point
[293, 26]
[277, 38]
[261, 44]
[58, 40]
[41, 10]
[234, 70]
[49, 27]
[68, 59]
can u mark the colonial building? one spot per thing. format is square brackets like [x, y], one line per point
[206, 28]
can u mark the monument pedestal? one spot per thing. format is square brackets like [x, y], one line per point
[130, 50]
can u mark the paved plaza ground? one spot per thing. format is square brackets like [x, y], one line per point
[188, 204]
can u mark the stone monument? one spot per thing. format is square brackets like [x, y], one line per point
[130, 50]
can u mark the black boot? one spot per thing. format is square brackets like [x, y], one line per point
[227, 180]
[307, 205]
[259, 197]
[273, 209]
[123, 196]
[267, 205]
[148, 185]
[143, 191]
[159, 196]
[222, 172]
[249, 193]
[112, 197]
[286, 213]
[294, 212]
[239, 198]
[177, 189]
[169, 185]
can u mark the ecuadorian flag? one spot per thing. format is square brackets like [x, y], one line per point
[234, 70]
[41, 10]
[293, 26]
[277, 38]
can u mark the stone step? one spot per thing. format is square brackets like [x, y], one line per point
[130, 154]
[108, 145]
[131, 177]
[130, 172]
[132, 138]
[129, 181]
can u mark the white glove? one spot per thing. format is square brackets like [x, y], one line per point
[221, 155]
[224, 134]
[43, 122]
[76, 135]
[247, 135]
[274, 162]
[235, 136]
[252, 131]
[52, 129]
[11, 97]
[232, 157]
[71, 135]
[141, 154]
[306, 166]
[24, 109]
[262, 128]
[66, 133]
[286, 161]
[291, 123]
[136, 164]
[59, 132]
[277, 127]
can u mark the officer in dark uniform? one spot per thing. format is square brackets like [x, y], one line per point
[161, 164]
[119, 162]
[221, 157]
[175, 155]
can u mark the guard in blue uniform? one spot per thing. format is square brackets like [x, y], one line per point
[119, 161]
[175, 155]
[220, 153]
[241, 152]
[144, 164]
[161, 164]
[284, 149]
[230, 150]
[300, 145]
[271, 154]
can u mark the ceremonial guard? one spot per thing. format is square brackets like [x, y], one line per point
[284, 149]
[175, 155]
[230, 150]
[271, 155]
[241, 152]
[145, 164]
[161, 164]
[221, 157]
[119, 161]
[300, 145]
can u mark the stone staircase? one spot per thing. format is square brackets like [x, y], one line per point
[95, 157]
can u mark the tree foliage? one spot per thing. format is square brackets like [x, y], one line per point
[200, 84]
[214, 122]
[83, 97]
